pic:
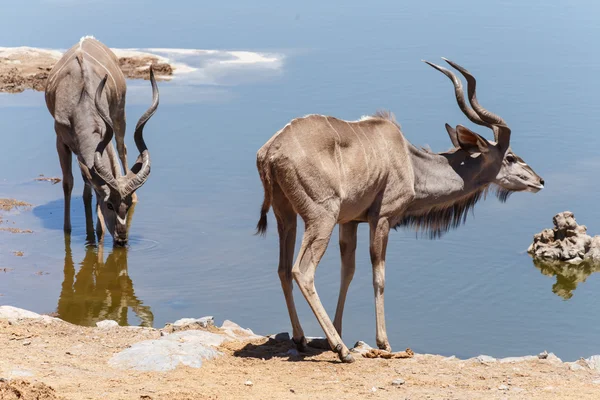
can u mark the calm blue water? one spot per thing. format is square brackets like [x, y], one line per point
[193, 253]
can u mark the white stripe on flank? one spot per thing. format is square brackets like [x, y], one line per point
[100, 64]
[362, 145]
[339, 151]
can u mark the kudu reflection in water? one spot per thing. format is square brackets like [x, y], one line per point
[100, 290]
[568, 276]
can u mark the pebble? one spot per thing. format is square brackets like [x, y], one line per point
[281, 337]
[485, 359]
[502, 387]
[398, 382]
[596, 382]
[107, 324]
[248, 383]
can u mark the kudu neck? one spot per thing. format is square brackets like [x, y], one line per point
[444, 177]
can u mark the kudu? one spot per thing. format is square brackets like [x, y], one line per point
[332, 172]
[85, 94]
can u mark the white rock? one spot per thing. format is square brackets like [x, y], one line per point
[596, 382]
[203, 322]
[236, 332]
[398, 382]
[20, 373]
[483, 359]
[575, 366]
[513, 360]
[593, 362]
[186, 347]
[14, 313]
[516, 389]
[107, 324]
[503, 387]
[361, 347]
[248, 383]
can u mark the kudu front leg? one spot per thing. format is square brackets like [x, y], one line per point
[100, 226]
[89, 218]
[379, 232]
[348, 252]
[66, 165]
[314, 243]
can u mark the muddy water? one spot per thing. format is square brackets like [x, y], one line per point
[192, 251]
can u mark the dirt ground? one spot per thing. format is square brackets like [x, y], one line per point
[64, 361]
[24, 68]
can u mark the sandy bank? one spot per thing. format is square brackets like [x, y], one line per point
[24, 68]
[73, 362]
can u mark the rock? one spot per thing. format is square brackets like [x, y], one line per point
[237, 332]
[107, 324]
[568, 241]
[203, 322]
[503, 387]
[485, 359]
[574, 366]
[187, 347]
[280, 337]
[593, 362]
[361, 348]
[14, 313]
[19, 373]
[248, 383]
[513, 360]
[398, 382]
[596, 382]
[517, 389]
[292, 353]
[543, 355]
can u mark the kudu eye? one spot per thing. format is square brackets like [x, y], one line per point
[510, 158]
[110, 206]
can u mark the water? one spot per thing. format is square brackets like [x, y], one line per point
[193, 253]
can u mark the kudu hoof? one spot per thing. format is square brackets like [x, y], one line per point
[301, 344]
[344, 358]
[385, 346]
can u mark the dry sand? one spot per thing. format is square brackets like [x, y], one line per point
[59, 360]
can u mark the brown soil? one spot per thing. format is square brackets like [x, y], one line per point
[73, 361]
[8, 205]
[21, 70]
[20, 389]
[137, 68]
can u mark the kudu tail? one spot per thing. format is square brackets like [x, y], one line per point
[264, 170]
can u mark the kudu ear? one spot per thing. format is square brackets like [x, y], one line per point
[470, 141]
[452, 134]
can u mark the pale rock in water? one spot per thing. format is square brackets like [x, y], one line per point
[567, 241]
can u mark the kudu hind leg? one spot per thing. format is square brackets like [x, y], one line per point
[314, 243]
[348, 252]
[286, 227]
[66, 165]
[379, 233]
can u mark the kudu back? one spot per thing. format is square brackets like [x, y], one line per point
[85, 95]
[334, 172]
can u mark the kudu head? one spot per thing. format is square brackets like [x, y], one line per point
[511, 173]
[114, 191]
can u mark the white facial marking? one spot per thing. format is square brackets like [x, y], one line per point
[121, 220]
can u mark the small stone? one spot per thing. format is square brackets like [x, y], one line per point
[281, 337]
[203, 322]
[373, 389]
[292, 353]
[398, 382]
[26, 342]
[593, 362]
[596, 382]
[503, 387]
[248, 383]
[516, 389]
[485, 359]
[107, 324]
[361, 347]
[574, 366]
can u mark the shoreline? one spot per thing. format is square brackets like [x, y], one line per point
[23, 68]
[193, 358]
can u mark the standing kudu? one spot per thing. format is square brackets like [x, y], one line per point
[338, 172]
[85, 94]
